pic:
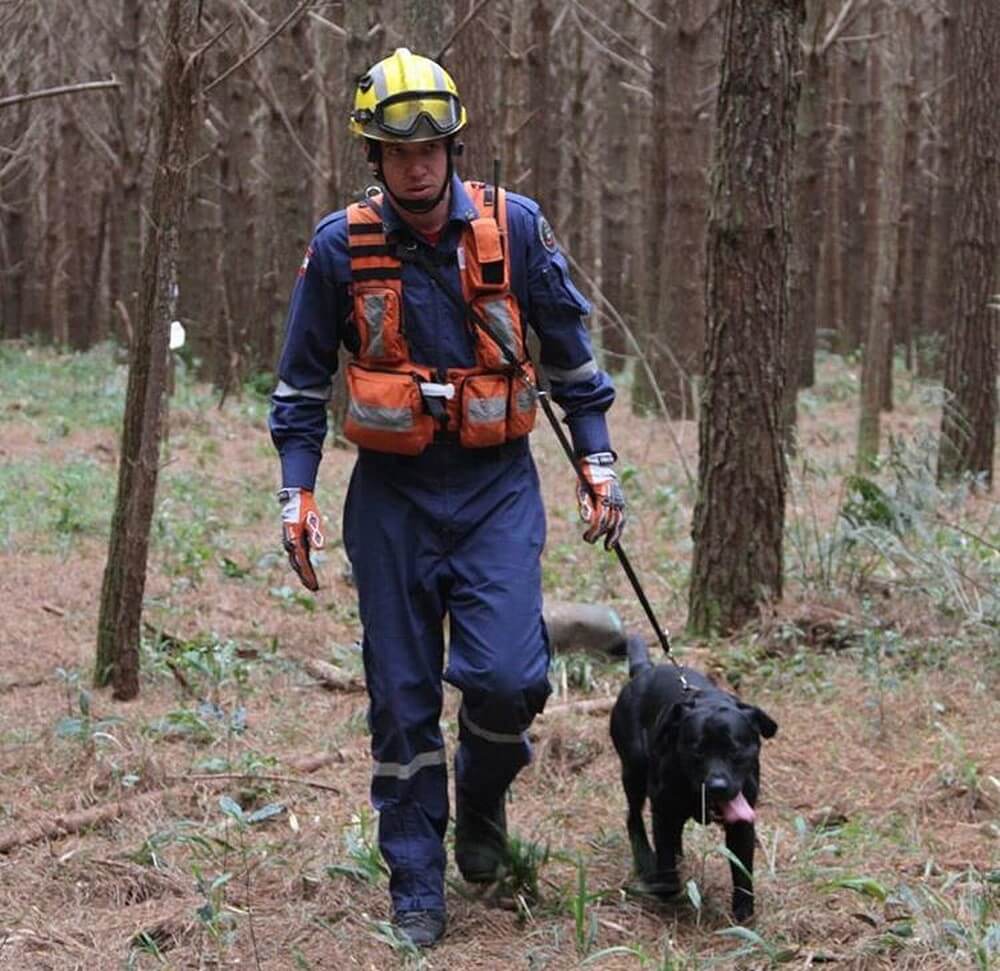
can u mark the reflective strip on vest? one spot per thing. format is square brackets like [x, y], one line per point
[501, 326]
[486, 410]
[375, 316]
[500, 738]
[571, 375]
[387, 419]
[397, 770]
[525, 399]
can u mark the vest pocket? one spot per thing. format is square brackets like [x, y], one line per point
[523, 404]
[386, 411]
[484, 410]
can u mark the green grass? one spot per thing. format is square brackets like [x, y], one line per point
[62, 392]
[46, 505]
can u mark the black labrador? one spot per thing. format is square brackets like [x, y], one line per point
[695, 754]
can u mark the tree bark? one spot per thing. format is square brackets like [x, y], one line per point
[939, 308]
[968, 420]
[883, 232]
[654, 239]
[14, 203]
[125, 571]
[239, 204]
[807, 217]
[474, 63]
[855, 175]
[739, 514]
[128, 116]
[681, 299]
[832, 315]
[903, 311]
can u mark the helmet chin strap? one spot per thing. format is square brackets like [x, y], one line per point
[418, 206]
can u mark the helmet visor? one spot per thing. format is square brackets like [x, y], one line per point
[402, 114]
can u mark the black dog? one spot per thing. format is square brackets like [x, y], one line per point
[694, 753]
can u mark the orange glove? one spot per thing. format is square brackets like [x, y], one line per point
[602, 506]
[300, 525]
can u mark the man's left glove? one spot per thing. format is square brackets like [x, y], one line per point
[602, 506]
[301, 532]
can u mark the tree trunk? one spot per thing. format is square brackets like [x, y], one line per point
[884, 201]
[832, 316]
[739, 515]
[807, 218]
[14, 203]
[616, 143]
[291, 135]
[939, 307]
[125, 228]
[239, 206]
[968, 420]
[855, 175]
[199, 299]
[474, 63]
[644, 399]
[682, 282]
[543, 104]
[903, 310]
[125, 570]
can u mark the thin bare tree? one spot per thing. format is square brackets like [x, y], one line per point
[118, 626]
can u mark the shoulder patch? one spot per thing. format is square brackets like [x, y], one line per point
[305, 261]
[545, 234]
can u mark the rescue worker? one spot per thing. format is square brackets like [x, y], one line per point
[431, 286]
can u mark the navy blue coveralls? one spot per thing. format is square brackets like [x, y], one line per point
[453, 531]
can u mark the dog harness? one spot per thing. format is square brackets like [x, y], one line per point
[399, 406]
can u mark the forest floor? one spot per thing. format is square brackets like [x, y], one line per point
[230, 817]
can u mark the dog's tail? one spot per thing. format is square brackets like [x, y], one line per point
[638, 655]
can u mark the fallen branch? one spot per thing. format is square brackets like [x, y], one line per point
[14, 685]
[253, 777]
[331, 677]
[55, 827]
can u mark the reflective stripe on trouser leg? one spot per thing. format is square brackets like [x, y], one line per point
[457, 532]
[403, 653]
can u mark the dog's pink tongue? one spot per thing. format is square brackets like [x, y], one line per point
[738, 810]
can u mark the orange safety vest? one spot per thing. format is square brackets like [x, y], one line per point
[396, 405]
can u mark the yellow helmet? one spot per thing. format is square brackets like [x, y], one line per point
[406, 98]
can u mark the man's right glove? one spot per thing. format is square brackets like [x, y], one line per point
[602, 507]
[301, 532]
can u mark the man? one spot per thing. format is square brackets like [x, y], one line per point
[431, 287]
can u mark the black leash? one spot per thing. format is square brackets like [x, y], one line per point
[413, 252]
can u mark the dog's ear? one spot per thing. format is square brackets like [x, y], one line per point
[762, 721]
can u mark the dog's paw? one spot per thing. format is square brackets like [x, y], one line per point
[742, 907]
[657, 885]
